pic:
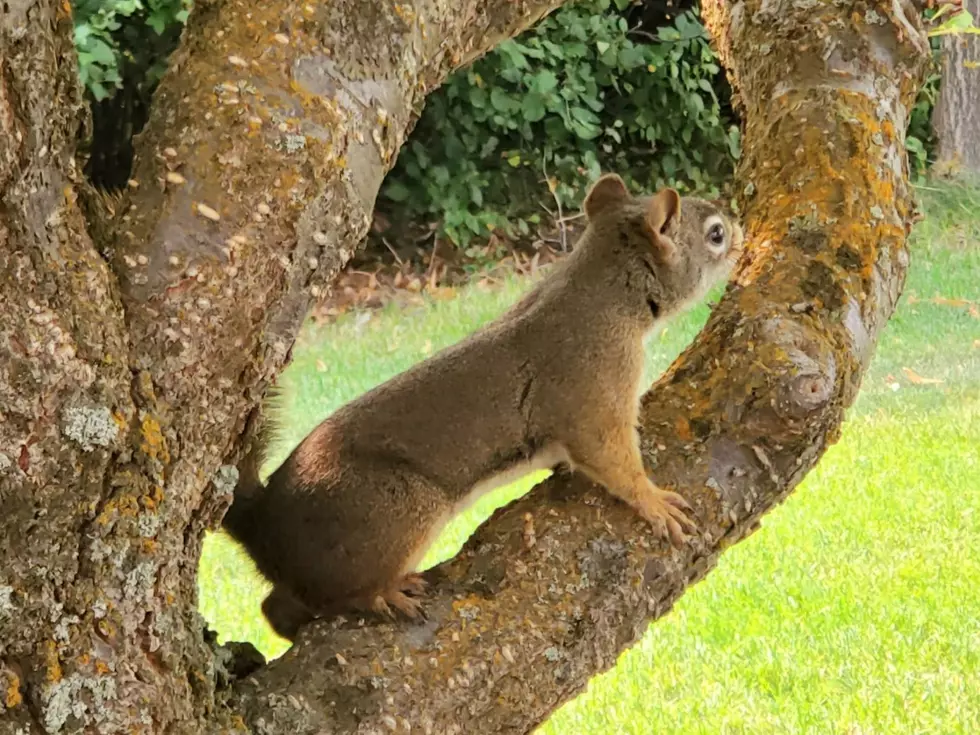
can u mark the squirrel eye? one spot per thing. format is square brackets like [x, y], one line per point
[716, 235]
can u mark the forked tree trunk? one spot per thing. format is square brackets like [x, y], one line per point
[956, 117]
[129, 361]
[133, 346]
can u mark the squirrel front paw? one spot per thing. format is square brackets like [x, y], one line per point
[665, 511]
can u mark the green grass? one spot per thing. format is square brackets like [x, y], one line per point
[853, 610]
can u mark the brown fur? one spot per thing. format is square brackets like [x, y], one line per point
[344, 522]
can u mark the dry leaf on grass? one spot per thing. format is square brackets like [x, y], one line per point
[943, 301]
[443, 293]
[915, 378]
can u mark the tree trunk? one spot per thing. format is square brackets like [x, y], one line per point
[134, 344]
[956, 117]
[128, 366]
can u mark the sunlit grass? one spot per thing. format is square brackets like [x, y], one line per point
[851, 611]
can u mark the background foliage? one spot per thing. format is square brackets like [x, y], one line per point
[113, 34]
[625, 85]
[587, 89]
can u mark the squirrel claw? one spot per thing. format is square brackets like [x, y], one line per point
[666, 515]
[677, 536]
[410, 607]
[677, 501]
[395, 597]
[413, 584]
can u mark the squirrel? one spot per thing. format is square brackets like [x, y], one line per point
[342, 524]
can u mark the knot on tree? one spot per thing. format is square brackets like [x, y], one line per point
[808, 370]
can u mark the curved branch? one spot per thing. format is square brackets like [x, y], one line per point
[256, 176]
[515, 628]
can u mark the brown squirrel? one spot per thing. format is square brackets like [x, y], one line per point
[345, 520]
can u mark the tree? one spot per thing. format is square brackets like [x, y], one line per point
[956, 117]
[139, 334]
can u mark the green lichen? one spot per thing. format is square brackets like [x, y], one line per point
[225, 480]
[90, 427]
[75, 696]
[6, 601]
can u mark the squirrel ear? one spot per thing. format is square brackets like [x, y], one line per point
[663, 211]
[665, 207]
[607, 190]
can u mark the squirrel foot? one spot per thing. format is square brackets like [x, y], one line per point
[395, 597]
[665, 511]
[414, 584]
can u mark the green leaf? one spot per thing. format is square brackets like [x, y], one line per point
[100, 52]
[961, 23]
[158, 22]
[533, 108]
[397, 191]
[478, 97]
[489, 146]
[501, 101]
[98, 91]
[82, 33]
[545, 82]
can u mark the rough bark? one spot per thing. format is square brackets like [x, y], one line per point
[956, 117]
[138, 333]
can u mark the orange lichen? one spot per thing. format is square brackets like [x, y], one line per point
[153, 443]
[118, 417]
[12, 696]
[52, 664]
[847, 194]
[127, 506]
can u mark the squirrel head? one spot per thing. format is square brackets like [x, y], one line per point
[673, 248]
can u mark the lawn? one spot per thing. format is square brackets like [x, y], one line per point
[855, 608]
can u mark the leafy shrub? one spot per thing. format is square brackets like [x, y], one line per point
[113, 34]
[920, 142]
[523, 129]
[530, 123]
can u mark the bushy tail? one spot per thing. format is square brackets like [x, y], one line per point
[249, 489]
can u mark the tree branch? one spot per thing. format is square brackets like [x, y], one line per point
[516, 628]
